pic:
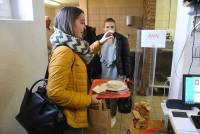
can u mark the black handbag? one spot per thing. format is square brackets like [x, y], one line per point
[38, 114]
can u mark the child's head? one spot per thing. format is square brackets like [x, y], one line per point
[71, 21]
[109, 24]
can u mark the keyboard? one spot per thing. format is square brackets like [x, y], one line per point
[196, 120]
[177, 104]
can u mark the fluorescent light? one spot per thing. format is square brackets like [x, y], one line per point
[60, 1]
[50, 2]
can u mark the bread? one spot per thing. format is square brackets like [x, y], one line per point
[112, 85]
[141, 114]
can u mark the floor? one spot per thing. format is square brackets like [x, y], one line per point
[155, 114]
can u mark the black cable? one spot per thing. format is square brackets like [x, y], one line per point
[175, 66]
[192, 52]
[195, 19]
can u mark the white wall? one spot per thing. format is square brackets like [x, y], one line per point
[180, 65]
[23, 60]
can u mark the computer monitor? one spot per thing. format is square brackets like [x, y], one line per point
[191, 89]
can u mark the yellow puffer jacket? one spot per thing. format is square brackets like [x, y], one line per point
[67, 84]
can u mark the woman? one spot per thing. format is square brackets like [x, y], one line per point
[67, 82]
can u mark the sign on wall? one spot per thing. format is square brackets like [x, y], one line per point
[153, 38]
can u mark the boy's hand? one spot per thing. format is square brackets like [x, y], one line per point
[108, 35]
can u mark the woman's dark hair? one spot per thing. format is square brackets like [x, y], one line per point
[65, 19]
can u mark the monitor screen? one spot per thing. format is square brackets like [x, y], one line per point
[191, 89]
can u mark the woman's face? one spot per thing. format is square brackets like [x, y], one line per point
[79, 26]
[109, 26]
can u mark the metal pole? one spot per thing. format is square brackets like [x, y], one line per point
[153, 69]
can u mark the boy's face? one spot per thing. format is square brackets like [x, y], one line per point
[109, 26]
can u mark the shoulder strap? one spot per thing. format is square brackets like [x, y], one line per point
[47, 72]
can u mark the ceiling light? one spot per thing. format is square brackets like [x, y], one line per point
[60, 1]
[50, 2]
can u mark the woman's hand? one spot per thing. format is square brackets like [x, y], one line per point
[108, 35]
[95, 100]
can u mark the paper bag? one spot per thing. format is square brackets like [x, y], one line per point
[99, 120]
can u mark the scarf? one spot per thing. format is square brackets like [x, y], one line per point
[77, 45]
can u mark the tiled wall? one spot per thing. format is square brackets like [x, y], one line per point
[99, 10]
[51, 12]
[166, 15]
